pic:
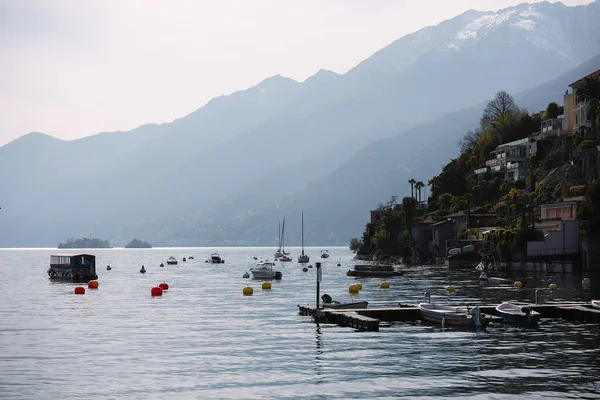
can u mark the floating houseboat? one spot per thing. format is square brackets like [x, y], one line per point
[73, 267]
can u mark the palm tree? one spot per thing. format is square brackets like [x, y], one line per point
[590, 91]
[412, 183]
[418, 186]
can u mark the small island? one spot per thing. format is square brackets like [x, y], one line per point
[85, 243]
[138, 244]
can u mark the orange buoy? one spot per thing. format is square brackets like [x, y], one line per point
[163, 286]
[156, 291]
[93, 284]
[79, 290]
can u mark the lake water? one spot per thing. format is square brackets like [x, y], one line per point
[204, 339]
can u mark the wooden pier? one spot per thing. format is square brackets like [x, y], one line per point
[369, 319]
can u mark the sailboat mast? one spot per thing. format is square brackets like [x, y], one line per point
[283, 237]
[302, 232]
[279, 236]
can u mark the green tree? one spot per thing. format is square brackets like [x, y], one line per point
[409, 207]
[446, 200]
[589, 210]
[418, 186]
[552, 111]
[501, 106]
[590, 91]
[412, 183]
[355, 244]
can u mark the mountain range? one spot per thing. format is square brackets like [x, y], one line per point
[333, 145]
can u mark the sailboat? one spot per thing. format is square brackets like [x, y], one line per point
[278, 253]
[283, 255]
[303, 258]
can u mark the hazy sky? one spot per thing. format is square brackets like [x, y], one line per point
[72, 68]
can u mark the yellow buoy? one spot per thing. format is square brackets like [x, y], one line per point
[353, 288]
[359, 286]
[385, 285]
[248, 291]
[266, 285]
[518, 284]
[450, 288]
[553, 286]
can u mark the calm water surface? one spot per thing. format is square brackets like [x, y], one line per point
[204, 339]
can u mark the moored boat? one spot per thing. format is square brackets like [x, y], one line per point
[303, 258]
[215, 258]
[73, 267]
[171, 261]
[264, 270]
[375, 270]
[517, 314]
[324, 254]
[328, 302]
[450, 315]
[595, 303]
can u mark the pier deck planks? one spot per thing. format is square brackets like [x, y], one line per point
[368, 319]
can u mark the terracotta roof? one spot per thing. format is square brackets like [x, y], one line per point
[580, 81]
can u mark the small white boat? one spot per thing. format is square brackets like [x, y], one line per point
[517, 314]
[215, 258]
[375, 270]
[324, 254]
[450, 315]
[171, 261]
[264, 270]
[284, 258]
[595, 303]
[328, 302]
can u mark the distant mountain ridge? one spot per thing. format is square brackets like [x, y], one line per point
[269, 145]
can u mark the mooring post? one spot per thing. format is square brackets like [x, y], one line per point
[319, 277]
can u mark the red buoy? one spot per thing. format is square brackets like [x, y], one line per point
[156, 291]
[79, 290]
[93, 284]
[163, 286]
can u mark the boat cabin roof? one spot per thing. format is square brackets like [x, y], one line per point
[266, 262]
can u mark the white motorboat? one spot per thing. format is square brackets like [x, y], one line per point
[375, 270]
[450, 315]
[324, 254]
[328, 302]
[517, 314]
[284, 258]
[595, 303]
[264, 270]
[215, 258]
[171, 261]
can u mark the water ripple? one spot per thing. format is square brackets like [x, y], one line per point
[203, 339]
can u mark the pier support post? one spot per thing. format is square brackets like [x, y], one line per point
[319, 277]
